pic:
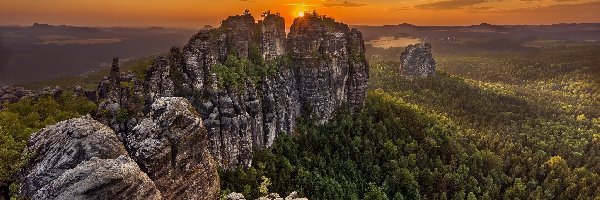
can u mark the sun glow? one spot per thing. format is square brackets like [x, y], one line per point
[301, 14]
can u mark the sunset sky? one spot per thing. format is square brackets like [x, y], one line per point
[197, 13]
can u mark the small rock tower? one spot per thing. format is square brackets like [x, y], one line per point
[417, 61]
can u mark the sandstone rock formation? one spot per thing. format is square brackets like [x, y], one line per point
[99, 178]
[90, 95]
[120, 100]
[332, 68]
[417, 61]
[171, 147]
[320, 67]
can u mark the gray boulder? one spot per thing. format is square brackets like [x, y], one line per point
[62, 147]
[98, 178]
[417, 61]
[272, 196]
[235, 196]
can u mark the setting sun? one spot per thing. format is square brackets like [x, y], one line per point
[301, 14]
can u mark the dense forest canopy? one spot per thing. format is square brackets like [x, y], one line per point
[489, 126]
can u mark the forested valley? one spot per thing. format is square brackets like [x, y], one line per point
[488, 126]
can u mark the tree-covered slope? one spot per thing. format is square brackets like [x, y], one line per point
[390, 150]
[489, 126]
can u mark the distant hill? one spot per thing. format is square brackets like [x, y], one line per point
[484, 37]
[43, 52]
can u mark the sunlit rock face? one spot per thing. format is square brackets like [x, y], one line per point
[417, 61]
[320, 67]
[272, 36]
[330, 65]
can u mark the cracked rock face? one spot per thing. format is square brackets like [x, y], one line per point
[97, 178]
[417, 61]
[63, 146]
[72, 160]
[170, 145]
[330, 65]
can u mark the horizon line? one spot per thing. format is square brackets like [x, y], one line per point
[351, 25]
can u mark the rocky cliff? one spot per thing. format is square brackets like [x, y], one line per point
[14, 94]
[248, 80]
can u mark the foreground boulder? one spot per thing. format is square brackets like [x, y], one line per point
[63, 146]
[417, 61]
[66, 164]
[171, 147]
[98, 178]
